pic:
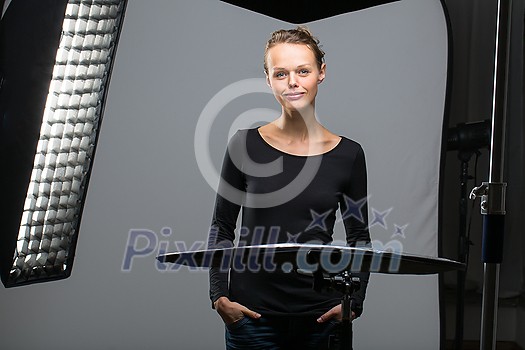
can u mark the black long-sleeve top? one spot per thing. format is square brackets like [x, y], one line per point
[286, 198]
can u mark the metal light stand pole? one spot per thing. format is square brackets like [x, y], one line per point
[345, 283]
[492, 193]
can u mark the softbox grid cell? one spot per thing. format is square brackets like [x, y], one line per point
[52, 209]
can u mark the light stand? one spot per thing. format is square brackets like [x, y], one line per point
[492, 193]
[345, 283]
[463, 247]
[467, 139]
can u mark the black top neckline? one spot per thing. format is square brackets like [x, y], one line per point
[297, 155]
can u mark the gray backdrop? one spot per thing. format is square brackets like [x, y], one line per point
[385, 88]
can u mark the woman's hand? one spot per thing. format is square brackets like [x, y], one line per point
[231, 312]
[335, 313]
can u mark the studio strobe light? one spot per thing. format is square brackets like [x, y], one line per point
[53, 205]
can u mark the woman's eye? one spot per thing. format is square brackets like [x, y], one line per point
[279, 75]
[304, 71]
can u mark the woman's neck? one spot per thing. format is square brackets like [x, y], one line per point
[299, 125]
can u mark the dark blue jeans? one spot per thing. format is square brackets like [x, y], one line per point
[277, 333]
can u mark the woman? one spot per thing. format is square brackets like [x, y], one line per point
[276, 308]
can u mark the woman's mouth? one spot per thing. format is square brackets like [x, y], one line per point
[294, 96]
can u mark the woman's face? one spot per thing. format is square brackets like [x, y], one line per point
[293, 75]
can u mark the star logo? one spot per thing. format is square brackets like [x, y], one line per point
[318, 220]
[379, 217]
[353, 208]
[399, 231]
[292, 238]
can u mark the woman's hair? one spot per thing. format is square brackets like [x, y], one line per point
[299, 35]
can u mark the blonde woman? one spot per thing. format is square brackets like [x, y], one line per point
[272, 308]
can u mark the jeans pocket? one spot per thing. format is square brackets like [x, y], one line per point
[238, 324]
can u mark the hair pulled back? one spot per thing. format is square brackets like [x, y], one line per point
[300, 35]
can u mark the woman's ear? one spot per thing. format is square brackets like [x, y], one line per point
[268, 80]
[322, 73]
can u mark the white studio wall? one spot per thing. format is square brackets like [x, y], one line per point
[385, 88]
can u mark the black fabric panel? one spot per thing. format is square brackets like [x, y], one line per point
[442, 163]
[302, 11]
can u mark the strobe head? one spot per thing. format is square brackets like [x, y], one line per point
[469, 136]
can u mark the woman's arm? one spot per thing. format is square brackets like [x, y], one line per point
[354, 209]
[230, 196]
[224, 219]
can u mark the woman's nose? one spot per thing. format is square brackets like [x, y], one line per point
[292, 82]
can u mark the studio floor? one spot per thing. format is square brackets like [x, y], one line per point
[511, 318]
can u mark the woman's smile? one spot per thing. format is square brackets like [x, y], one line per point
[294, 96]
